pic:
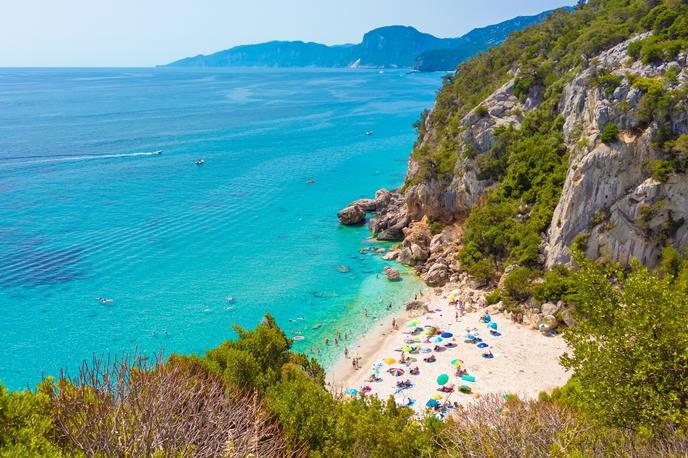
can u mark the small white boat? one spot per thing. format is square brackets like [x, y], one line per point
[370, 132]
[156, 153]
[200, 162]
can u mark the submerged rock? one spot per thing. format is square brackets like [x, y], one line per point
[343, 268]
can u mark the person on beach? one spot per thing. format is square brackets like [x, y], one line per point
[394, 323]
[456, 316]
[366, 312]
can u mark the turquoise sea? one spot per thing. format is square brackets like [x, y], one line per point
[83, 216]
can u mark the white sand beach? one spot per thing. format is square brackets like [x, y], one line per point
[525, 361]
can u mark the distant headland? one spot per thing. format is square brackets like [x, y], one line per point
[393, 46]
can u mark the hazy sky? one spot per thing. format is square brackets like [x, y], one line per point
[150, 32]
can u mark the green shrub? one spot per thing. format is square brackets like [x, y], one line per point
[608, 82]
[494, 296]
[557, 285]
[436, 227]
[661, 170]
[482, 270]
[610, 134]
[517, 284]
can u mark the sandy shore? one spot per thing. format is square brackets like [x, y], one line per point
[525, 361]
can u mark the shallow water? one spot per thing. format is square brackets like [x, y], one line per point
[84, 215]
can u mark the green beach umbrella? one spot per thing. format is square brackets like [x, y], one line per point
[407, 349]
[442, 379]
[411, 324]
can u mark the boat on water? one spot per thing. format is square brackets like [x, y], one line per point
[370, 132]
[156, 153]
[200, 162]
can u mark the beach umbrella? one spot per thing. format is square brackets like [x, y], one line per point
[351, 392]
[411, 324]
[482, 345]
[389, 361]
[493, 325]
[447, 335]
[377, 366]
[442, 379]
[407, 349]
[428, 331]
[435, 339]
[432, 403]
[456, 362]
[396, 372]
[436, 397]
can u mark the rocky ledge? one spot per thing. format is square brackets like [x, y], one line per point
[432, 255]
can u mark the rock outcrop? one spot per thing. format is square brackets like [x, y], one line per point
[352, 215]
[609, 199]
[451, 200]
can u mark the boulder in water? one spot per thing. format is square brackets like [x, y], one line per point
[352, 215]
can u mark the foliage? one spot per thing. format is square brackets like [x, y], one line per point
[495, 427]
[26, 423]
[610, 133]
[517, 284]
[661, 170]
[436, 227]
[630, 348]
[494, 296]
[558, 284]
[608, 82]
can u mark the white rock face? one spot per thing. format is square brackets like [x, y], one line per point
[608, 188]
[450, 201]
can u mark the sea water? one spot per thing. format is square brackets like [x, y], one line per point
[182, 251]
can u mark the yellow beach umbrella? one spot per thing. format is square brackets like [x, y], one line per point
[436, 397]
[390, 361]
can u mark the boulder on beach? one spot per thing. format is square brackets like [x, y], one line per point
[352, 215]
[417, 306]
[392, 273]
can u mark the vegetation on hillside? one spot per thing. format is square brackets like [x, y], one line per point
[528, 165]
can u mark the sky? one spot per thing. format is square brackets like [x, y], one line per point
[141, 33]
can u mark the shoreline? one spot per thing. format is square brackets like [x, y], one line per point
[525, 362]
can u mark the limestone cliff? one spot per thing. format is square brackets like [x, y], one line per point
[609, 196]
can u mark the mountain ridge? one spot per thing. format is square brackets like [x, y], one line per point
[394, 46]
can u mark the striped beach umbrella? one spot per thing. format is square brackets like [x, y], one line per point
[456, 362]
[395, 371]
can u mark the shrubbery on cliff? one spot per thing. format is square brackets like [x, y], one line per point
[528, 165]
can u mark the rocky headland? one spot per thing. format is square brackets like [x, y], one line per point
[613, 203]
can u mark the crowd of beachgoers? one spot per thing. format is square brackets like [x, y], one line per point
[435, 360]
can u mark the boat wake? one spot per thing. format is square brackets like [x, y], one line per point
[31, 160]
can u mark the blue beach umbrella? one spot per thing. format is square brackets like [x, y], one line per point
[351, 392]
[482, 345]
[447, 335]
[432, 403]
[435, 339]
[493, 325]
